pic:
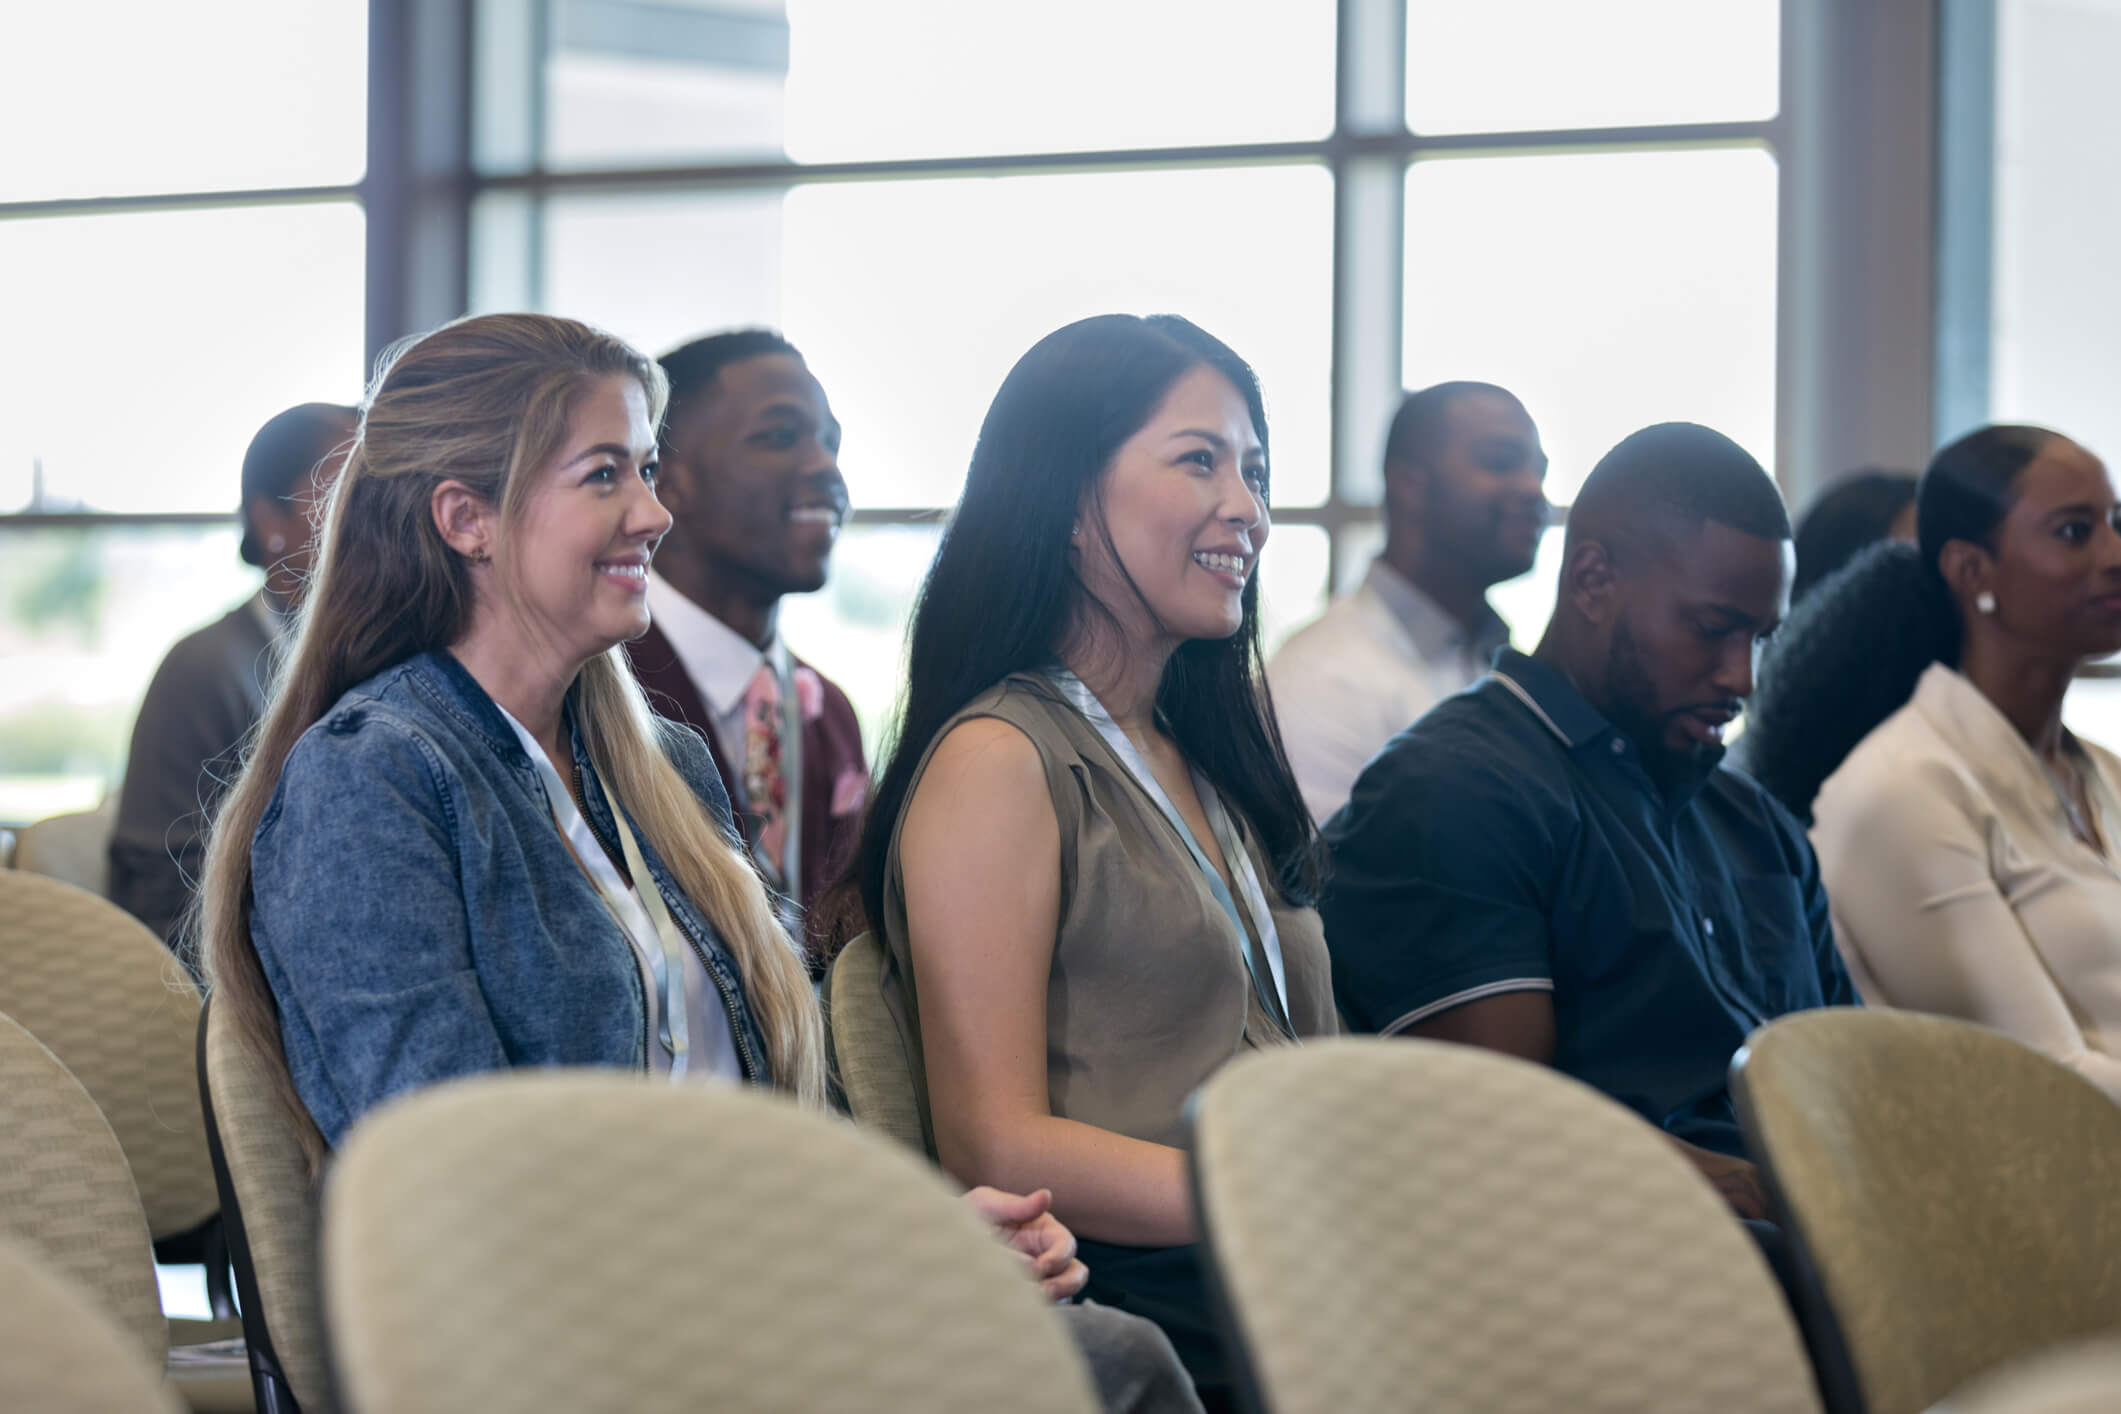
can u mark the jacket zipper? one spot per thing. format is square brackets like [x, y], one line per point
[745, 1058]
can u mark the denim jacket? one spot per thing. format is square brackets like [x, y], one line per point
[419, 916]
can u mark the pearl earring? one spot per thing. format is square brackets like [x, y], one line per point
[1985, 602]
[274, 544]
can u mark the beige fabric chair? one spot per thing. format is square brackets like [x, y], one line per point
[116, 1006]
[75, 848]
[2077, 1379]
[272, 1216]
[868, 1054]
[65, 1191]
[60, 1351]
[1408, 1224]
[550, 1240]
[1958, 1194]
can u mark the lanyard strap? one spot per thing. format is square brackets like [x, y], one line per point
[1269, 980]
[666, 963]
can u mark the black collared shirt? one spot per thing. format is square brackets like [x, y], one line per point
[1511, 840]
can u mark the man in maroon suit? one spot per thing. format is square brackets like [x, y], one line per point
[750, 474]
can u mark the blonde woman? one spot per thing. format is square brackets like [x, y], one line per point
[463, 841]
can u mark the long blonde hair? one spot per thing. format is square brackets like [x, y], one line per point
[485, 401]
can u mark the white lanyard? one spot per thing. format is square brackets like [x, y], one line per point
[666, 963]
[1273, 990]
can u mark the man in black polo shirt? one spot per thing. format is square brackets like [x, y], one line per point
[1554, 863]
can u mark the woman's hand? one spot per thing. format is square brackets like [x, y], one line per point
[1026, 1223]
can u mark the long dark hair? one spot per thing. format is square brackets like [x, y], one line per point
[1851, 653]
[1003, 592]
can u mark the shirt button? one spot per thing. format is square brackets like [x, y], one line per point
[1620, 748]
[1708, 926]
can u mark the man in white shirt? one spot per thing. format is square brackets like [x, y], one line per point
[1464, 511]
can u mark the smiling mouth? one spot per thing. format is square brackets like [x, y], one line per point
[630, 572]
[1221, 564]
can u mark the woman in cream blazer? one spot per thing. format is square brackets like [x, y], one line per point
[1968, 839]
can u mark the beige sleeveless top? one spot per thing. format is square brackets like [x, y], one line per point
[1149, 991]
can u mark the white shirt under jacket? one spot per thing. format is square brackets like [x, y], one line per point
[1958, 887]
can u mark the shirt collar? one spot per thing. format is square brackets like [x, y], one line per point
[1435, 633]
[1978, 730]
[1547, 692]
[720, 661]
[1552, 698]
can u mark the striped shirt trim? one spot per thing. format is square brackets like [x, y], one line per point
[1470, 994]
[1526, 698]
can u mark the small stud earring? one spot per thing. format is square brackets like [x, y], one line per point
[274, 544]
[1077, 532]
[1985, 602]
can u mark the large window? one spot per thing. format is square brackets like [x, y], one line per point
[184, 244]
[1578, 202]
[1580, 207]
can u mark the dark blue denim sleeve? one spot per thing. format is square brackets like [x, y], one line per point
[361, 923]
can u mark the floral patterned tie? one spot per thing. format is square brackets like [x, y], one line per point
[765, 786]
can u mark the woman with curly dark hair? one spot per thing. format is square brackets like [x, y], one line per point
[1967, 838]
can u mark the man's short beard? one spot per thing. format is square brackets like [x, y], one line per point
[1631, 706]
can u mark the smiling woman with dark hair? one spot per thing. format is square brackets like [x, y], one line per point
[1967, 840]
[1087, 857]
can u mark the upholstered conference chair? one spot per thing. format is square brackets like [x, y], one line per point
[868, 1054]
[269, 1209]
[118, 1009]
[67, 1194]
[61, 1352]
[540, 1240]
[1957, 1194]
[1402, 1224]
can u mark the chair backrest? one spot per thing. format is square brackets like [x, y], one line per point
[1958, 1194]
[66, 1192]
[2077, 1379]
[269, 1207]
[60, 1353]
[868, 1054]
[73, 847]
[118, 1008]
[1417, 1225]
[540, 1240]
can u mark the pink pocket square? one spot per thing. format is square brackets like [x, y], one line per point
[849, 791]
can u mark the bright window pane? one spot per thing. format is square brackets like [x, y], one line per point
[912, 299]
[641, 84]
[1607, 291]
[692, 81]
[1292, 582]
[149, 348]
[1517, 65]
[660, 269]
[950, 77]
[696, 81]
[1527, 602]
[85, 617]
[116, 97]
[853, 630]
[2057, 288]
